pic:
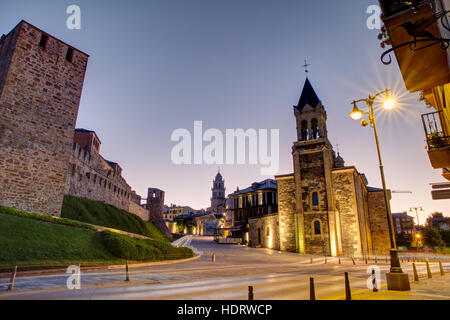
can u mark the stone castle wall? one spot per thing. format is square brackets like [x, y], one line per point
[39, 100]
[92, 177]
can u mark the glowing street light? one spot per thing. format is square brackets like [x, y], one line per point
[397, 279]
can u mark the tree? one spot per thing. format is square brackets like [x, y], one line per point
[432, 216]
[181, 225]
[432, 237]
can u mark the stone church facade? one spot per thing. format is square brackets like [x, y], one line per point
[324, 207]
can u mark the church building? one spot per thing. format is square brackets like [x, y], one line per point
[324, 206]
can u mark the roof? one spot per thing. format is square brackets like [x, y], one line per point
[372, 189]
[198, 214]
[266, 184]
[401, 215]
[308, 96]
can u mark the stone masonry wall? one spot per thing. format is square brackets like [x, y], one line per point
[39, 100]
[378, 223]
[92, 177]
[344, 190]
[286, 212]
[269, 231]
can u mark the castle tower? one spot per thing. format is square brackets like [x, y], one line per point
[41, 80]
[155, 207]
[313, 160]
[218, 191]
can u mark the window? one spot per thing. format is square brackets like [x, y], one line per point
[317, 228]
[315, 128]
[304, 130]
[73, 169]
[43, 42]
[267, 232]
[315, 199]
[69, 55]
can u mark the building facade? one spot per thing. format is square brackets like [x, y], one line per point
[41, 80]
[403, 223]
[324, 207]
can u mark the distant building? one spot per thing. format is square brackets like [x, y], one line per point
[203, 223]
[442, 223]
[218, 194]
[174, 211]
[403, 223]
[257, 201]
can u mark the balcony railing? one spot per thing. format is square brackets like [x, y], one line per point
[435, 135]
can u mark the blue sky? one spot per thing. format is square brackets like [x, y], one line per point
[159, 65]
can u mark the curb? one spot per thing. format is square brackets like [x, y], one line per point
[32, 273]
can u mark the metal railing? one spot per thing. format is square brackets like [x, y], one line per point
[435, 135]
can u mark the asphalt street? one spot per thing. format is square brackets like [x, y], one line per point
[273, 274]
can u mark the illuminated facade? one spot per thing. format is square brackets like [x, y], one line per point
[323, 207]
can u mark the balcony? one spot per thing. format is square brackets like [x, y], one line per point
[423, 64]
[438, 141]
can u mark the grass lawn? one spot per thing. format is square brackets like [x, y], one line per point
[101, 214]
[32, 244]
[33, 241]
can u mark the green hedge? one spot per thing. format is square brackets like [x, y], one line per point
[142, 249]
[45, 218]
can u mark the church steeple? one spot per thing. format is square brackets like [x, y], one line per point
[308, 97]
[310, 115]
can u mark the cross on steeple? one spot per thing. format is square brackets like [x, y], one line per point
[306, 68]
[337, 147]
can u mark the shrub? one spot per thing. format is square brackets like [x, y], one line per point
[45, 218]
[141, 249]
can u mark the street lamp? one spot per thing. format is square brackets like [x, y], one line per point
[416, 210]
[396, 278]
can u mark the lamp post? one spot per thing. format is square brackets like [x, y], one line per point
[417, 210]
[396, 278]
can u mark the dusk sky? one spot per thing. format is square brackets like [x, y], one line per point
[159, 65]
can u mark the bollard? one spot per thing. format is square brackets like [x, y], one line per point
[311, 260]
[13, 279]
[386, 260]
[366, 260]
[441, 268]
[127, 272]
[325, 259]
[339, 260]
[353, 260]
[250, 292]
[348, 293]
[374, 281]
[428, 270]
[312, 292]
[213, 257]
[416, 276]
[376, 261]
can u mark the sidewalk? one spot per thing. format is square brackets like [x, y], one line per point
[436, 288]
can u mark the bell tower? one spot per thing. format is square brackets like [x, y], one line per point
[313, 159]
[218, 191]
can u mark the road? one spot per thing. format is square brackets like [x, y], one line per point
[273, 274]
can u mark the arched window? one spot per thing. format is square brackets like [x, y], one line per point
[317, 228]
[315, 128]
[304, 130]
[315, 199]
[267, 232]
